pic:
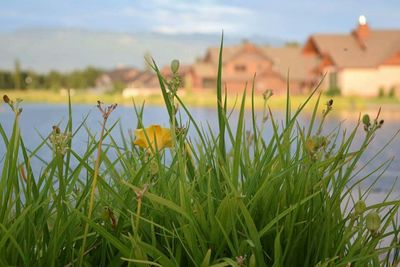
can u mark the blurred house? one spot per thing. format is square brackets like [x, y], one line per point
[362, 62]
[359, 63]
[108, 81]
[144, 83]
[274, 66]
[130, 81]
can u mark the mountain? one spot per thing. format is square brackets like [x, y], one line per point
[67, 49]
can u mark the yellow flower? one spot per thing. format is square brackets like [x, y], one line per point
[156, 135]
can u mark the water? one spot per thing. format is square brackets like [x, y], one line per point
[37, 120]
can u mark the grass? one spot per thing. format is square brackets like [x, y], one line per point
[230, 197]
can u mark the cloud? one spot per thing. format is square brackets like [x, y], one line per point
[126, 40]
[171, 17]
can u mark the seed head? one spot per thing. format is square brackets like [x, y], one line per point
[240, 260]
[373, 221]
[6, 99]
[359, 208]
[56, 129]
[59, 141]
[366, 121]
[267, 94]
[175, 66]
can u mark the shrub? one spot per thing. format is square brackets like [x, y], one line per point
[118, 87]
[381, 92]
[333, 91]
[392, 92]
[229, 198]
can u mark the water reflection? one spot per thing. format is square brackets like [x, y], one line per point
[37, 120]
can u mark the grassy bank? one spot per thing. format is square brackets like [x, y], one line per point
[204, 98]
[225, 198]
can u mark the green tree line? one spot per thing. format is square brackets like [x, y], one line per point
[23, 79]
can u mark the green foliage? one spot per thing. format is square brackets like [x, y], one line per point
[225, 198]
[392, 92]
[333, 91]
[17, 75]
[118, 87]
[6, 80]
[79, 79]
[381, 92]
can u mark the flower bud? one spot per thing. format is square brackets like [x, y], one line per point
[175, 66]
[6, 99]
[310, 145]
[252, 261]
[153, 168]
[373, 221]
[366, 120]
[359, 207]
[56, 129]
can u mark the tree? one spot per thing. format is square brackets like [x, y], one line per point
[6, 80]
[17, 75]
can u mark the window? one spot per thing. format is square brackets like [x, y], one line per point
[240, 68]
[209, 83]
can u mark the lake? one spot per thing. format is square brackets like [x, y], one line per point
[37, 120]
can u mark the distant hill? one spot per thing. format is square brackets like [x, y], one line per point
[67, 49]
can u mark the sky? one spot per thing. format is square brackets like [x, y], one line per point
[286, 19]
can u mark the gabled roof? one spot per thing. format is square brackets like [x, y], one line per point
[212, 54]
[123, 75]
[291, 58]
[283, 59]
[346, 50]
[205, 69]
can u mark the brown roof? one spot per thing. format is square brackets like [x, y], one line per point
[205, 70]
[123, 75]
[283, 59]
[346, 50]
[212, 54]
[145, 78]
[291, 58]
[130, 76]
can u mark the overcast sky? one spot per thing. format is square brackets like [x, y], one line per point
[287, 19]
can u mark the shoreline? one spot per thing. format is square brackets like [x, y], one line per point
[206, 99]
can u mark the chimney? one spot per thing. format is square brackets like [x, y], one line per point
[362, 30]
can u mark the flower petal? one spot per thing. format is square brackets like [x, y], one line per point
[157, 137]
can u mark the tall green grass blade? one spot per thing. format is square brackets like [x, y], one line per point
[220, 107]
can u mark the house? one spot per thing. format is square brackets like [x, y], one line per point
[117, 77]
[272, 66]
[358, 63]
[144, 83]
[362, 62]
[129, 80]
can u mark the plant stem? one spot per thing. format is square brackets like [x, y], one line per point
[93, 189]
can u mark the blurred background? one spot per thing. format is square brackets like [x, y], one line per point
[71, 44]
